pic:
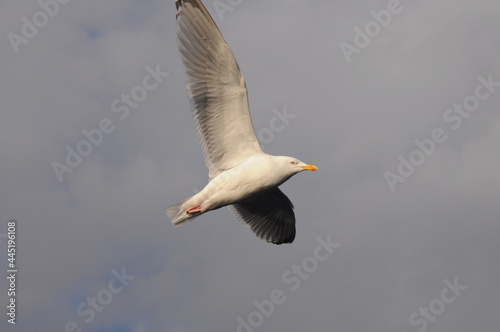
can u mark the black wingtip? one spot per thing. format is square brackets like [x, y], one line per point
[279, 239]
[283, 241]
[178, 5]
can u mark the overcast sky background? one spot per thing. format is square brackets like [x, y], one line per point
[353, 120]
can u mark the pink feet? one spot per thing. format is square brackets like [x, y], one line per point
[194, 210]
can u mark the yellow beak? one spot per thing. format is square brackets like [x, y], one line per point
[310, 168]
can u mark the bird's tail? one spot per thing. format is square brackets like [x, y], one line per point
[178, 213]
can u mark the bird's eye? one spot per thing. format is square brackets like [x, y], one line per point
[293, 163]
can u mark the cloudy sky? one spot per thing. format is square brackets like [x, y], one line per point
[398, 103]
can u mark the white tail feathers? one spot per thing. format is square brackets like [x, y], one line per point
[178, 214]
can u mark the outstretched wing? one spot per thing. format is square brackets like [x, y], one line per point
[269, 215]
[216, 89]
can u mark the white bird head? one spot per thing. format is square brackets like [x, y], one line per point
[293, 165]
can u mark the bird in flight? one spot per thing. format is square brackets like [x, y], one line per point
[241, 176]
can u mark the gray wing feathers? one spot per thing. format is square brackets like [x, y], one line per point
[216, 90]
[269, 215]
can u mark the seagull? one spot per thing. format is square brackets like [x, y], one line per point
[241, 176]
